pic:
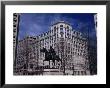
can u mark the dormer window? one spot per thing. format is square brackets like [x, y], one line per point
[61, 25]
[67, 27]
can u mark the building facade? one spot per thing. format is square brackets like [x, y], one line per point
[92, 55]
[70, 45]
[16, 18]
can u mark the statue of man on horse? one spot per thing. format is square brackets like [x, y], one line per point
[50, 55]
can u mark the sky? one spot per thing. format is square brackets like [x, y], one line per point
[34, 24]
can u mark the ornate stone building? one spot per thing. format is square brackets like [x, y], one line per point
[16, 18]
[95, 21]
[70, 45]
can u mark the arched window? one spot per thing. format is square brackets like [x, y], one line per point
[67, 27]
[61, 29]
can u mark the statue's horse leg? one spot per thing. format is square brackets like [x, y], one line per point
[53, 62]
[49, 63]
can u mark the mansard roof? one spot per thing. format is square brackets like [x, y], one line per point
[60, 22]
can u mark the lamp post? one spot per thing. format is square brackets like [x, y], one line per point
[64, 67]
[73, 69]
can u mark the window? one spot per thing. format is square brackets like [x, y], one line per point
[61, 29]
[57, 35]
[41, 35]
[15, 20]
[68, 52]
[96, 24]
[67, 27]
[14, 25]
[14, 30]
[65, 36]
[47, 33]
[31, 65]
[61, 35]
[50, 32]
[67, 30]
[55, 27]
[61, 25]
[50, 41]
[13, 36]
[54, 31]
[15, 15]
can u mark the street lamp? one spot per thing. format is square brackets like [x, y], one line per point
[73, 69]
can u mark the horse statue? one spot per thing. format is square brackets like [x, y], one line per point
[53, 55]
[50, 55]
[44, 50]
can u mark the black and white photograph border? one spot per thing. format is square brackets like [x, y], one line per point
[4, 54]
